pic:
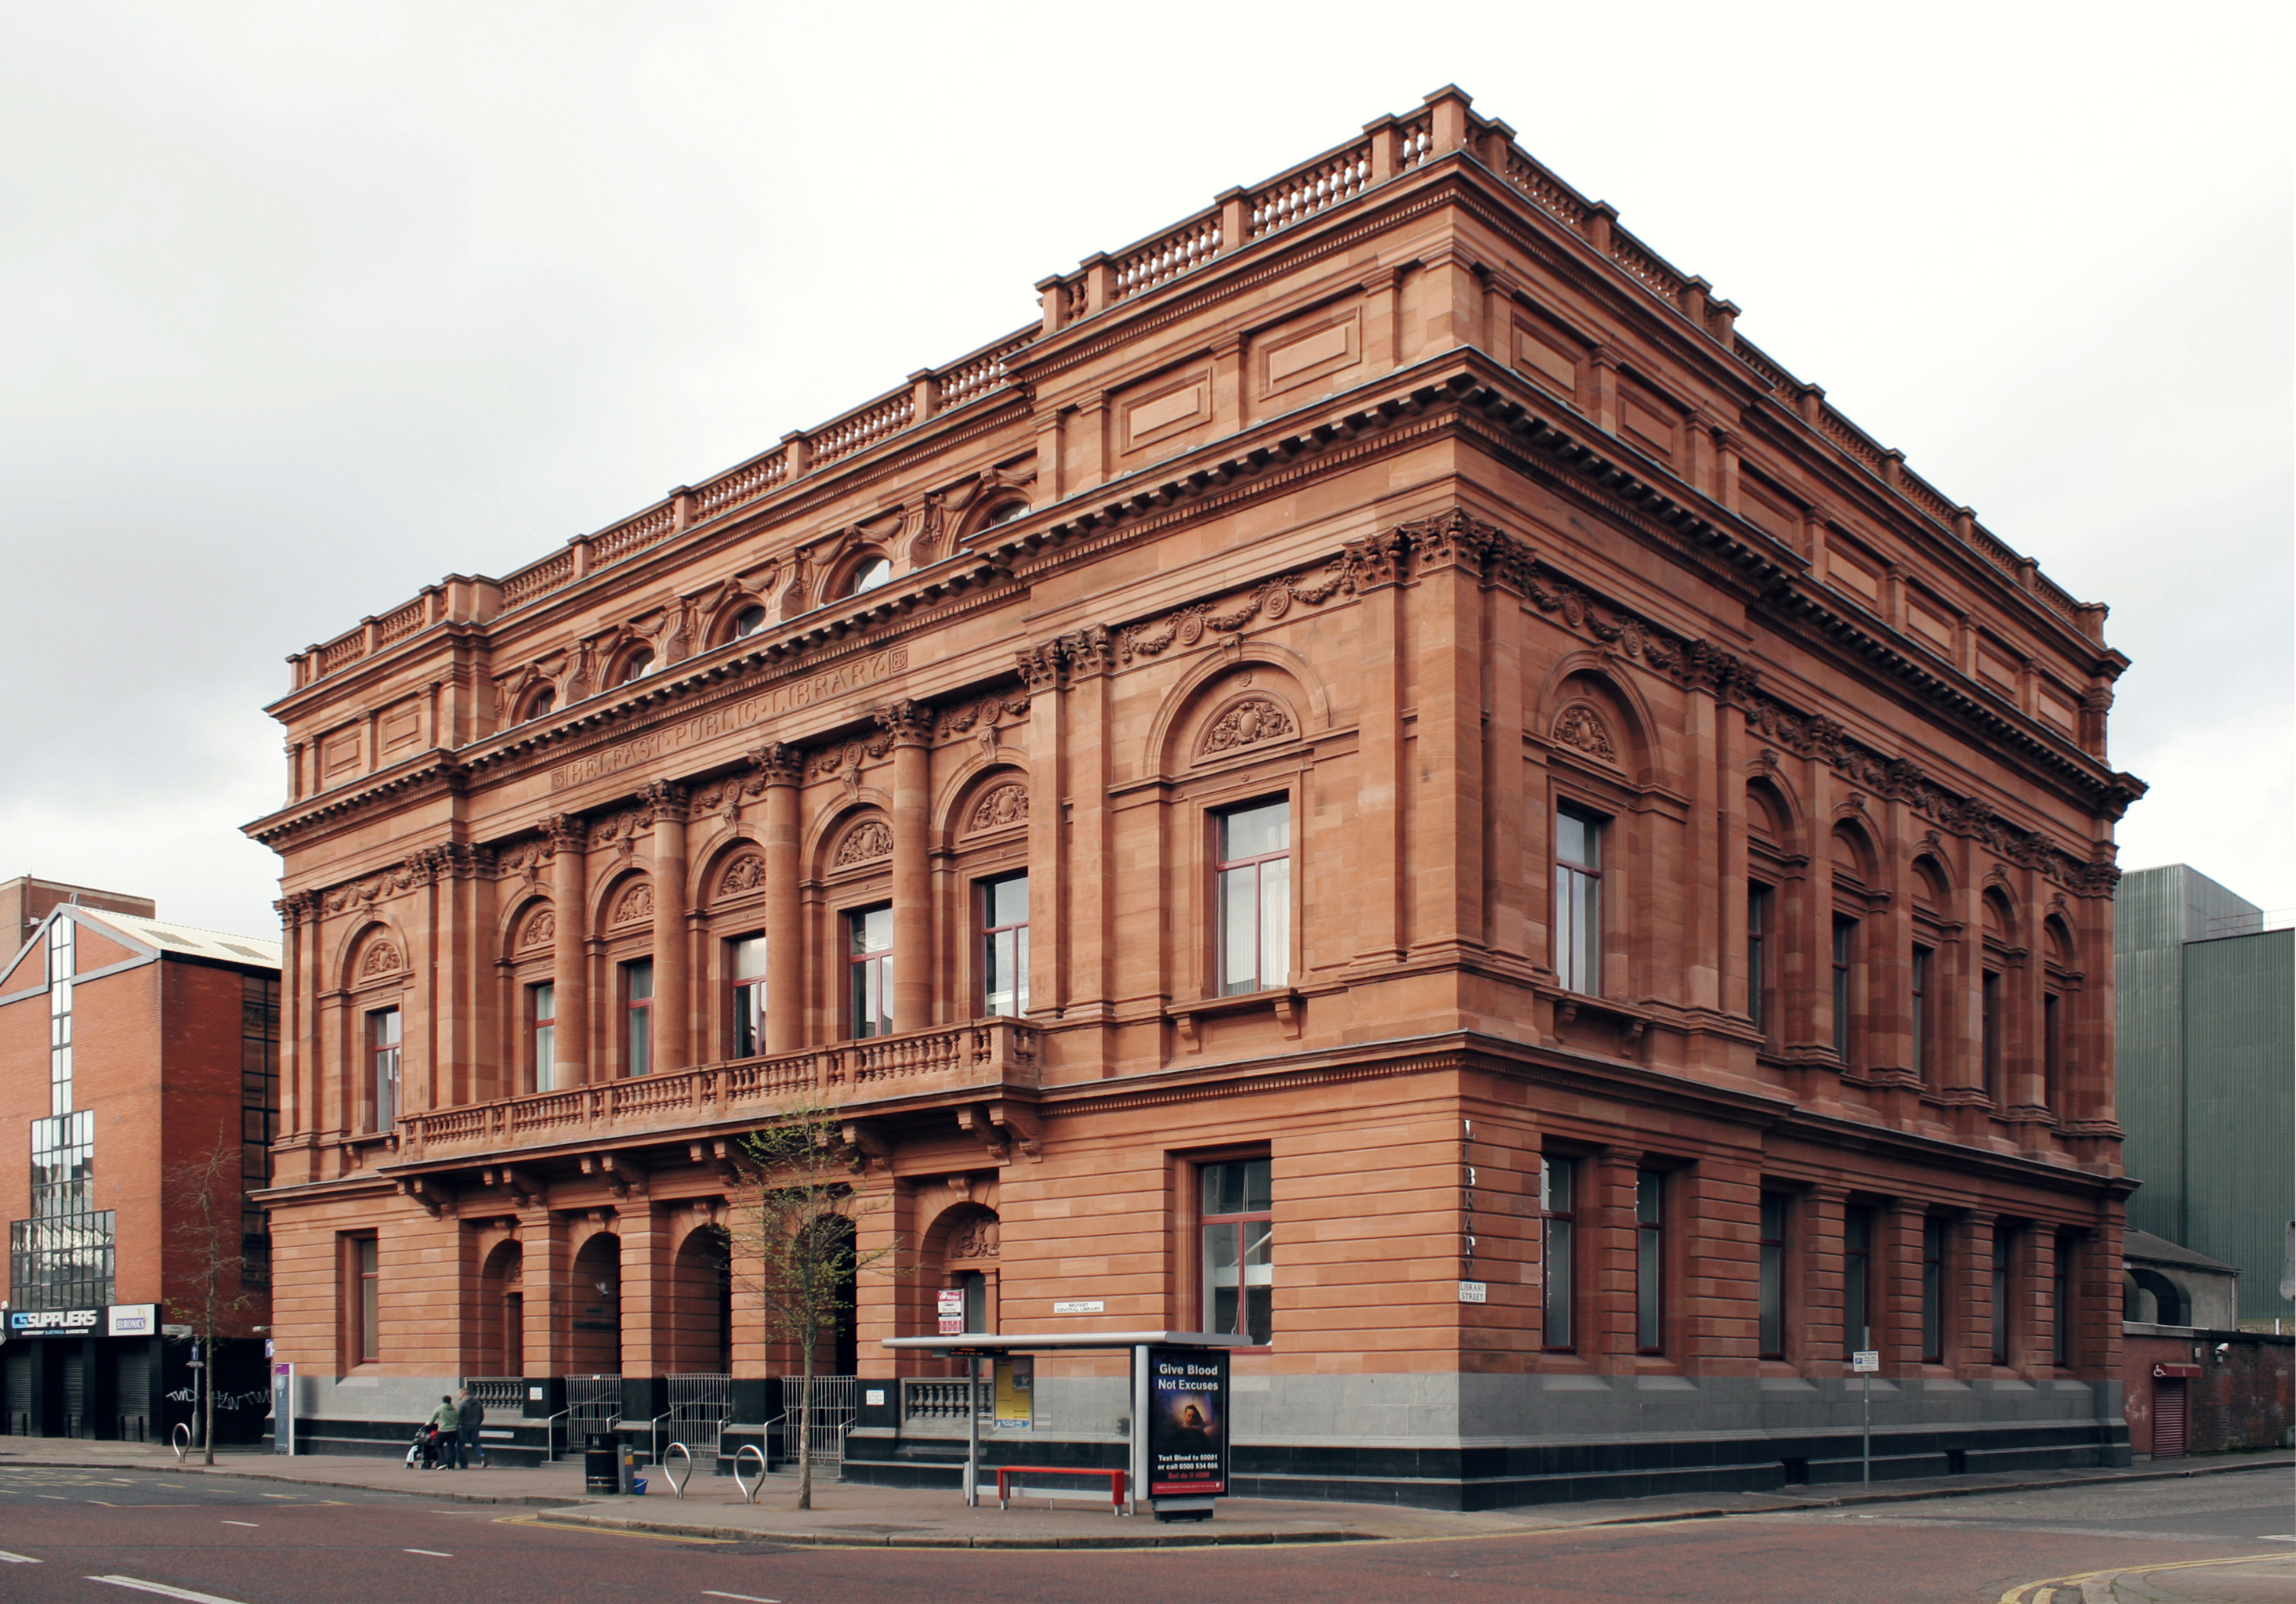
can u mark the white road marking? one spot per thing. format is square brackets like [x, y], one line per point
[286, 1495]
[2274, 1539]
[244, 1523]
[712, 1592]
[8, 1558]
[52, 1498]
[163, 1590]
[434, 1553]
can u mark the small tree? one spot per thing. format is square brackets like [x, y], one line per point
[796, 1228]
[201, 1204]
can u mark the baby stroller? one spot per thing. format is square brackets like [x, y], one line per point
[423, 1452]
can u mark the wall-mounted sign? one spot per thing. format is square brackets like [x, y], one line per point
[1080, 1306]
[1473, 1292]
[1865, 1361]
[133, 1319]
[1187, 1422]
[951, 1311]
[55, 1322]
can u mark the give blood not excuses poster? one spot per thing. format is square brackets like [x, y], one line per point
[1187, 1422]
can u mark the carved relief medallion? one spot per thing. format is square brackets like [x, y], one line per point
[745, 874]
[635, 905]
[540, 930]
[1581, 727]
[1254, 719]
[380, 958]
[1004, 804]
[868, 841]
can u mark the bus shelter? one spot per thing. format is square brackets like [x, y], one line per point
[1179, 1407]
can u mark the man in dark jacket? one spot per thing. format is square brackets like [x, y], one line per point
[468, 1416]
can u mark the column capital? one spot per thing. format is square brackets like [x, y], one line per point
[909, 722]
[776, 763]
[1041, 666]
[569, 832]
[664, 801]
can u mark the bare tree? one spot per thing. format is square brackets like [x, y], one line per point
[201, 1200]
[796, 1234]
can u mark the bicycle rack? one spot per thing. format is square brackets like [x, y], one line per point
[180, 1440]
[677, 1483]
[750, 1489]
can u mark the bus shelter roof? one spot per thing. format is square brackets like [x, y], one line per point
[983, 1342]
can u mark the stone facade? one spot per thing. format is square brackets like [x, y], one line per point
[1563, 634]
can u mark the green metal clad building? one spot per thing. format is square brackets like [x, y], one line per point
[2207, 1062]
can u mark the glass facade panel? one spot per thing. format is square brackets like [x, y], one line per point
[745, 967]
[1650, 1262]
[1578, 901]
[1254, 895]
[1238, 1249]
[869, 958]
[1005, 946]
[1774, 1276]
[1557, 1181]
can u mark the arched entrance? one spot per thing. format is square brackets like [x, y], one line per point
[702, 1283]
[501, 1321]
[960, 1253]
[594, 1297]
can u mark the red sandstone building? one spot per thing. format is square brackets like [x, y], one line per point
[128, 1045]
[1379, 780]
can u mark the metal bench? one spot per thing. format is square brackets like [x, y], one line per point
[1008, 1478]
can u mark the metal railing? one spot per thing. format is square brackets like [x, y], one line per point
[699, 1408]
[835, 1402]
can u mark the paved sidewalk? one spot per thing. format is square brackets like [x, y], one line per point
[936, 1517]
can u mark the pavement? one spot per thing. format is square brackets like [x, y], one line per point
[860, 1516]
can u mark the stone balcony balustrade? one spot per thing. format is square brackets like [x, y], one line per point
[982, 1056]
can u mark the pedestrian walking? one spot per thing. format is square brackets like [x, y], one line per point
[449, 1425]
[468, 1415]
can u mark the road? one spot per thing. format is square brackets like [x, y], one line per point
[85, 1536]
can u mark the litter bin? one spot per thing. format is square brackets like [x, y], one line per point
[601, 1464]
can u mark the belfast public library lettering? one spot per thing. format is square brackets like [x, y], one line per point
[1251, 866]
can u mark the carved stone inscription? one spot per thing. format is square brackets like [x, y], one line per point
[788, 698]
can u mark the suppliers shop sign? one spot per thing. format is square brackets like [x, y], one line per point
[55, 1322]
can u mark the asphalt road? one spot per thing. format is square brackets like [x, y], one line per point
[94, 1536]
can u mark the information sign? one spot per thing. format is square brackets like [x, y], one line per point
[1080, 1306]
[1473, 1292]
[951, 1311]
[1865, 1361]
[1187, 1422]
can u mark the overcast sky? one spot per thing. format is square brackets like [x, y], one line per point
[303, 306]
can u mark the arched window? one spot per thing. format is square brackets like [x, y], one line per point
[538, 703]
[1005, 514]
[748, 622]
[635, 666]
[872, 573]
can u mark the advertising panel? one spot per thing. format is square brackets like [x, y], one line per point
[1187, 1422]
[1016, 1392]
[134, 1320]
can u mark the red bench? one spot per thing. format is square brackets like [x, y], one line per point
[1008, 1475]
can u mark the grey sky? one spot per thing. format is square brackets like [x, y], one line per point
[302, 306]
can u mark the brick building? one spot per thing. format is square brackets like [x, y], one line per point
[128, 1045]
[1379, 779]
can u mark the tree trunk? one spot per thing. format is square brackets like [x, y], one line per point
[804, 1434]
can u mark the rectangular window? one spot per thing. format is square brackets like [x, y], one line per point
[1758, 955]
[366, 1298]
[382, 1059]
[1774, 1275]
[1578, 901]
[1845, 949]
[2004, 1241]
[62, 1256]
[637, 1013]
[1650, 1262]
[259, 1114]
[1857, 1280]
[1989, 1007]
[2052, 1051]
[869, 964]
[1933, 1291]
[745, 972]
[62, 966]
[1238, 1249]
[1557, 1179]
[1255, 898]
[542, 1013]
[1920, 1012]
[2061, 1299]
[1005, 946]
